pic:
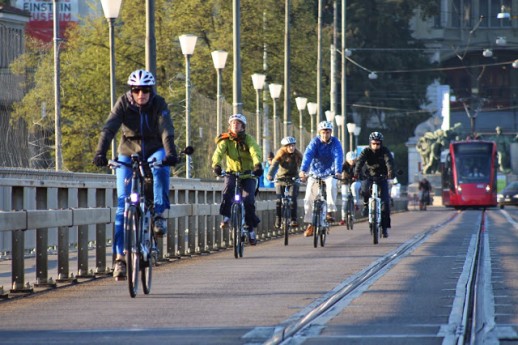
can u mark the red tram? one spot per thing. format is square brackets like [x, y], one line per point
[469, 174]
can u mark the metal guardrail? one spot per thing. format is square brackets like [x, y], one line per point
[71, 215]
[45, 210]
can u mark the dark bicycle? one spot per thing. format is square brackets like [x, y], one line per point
[348, 206]
[140, 243]
[237, 214]
[375, 208]
[286, 204]
[320, 225]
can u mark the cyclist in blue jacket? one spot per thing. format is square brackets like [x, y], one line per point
[323, 157]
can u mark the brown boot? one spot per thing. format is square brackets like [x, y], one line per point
[309, 231]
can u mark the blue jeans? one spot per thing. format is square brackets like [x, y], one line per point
[160, 191]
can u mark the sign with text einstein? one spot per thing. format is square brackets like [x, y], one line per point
[42, 16]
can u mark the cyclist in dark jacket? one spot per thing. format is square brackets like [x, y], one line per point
[147, 129]
[377, 160]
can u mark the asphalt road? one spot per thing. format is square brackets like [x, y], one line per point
[217, 299]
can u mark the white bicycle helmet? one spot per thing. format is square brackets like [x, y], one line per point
[376, 136]
[288, 141]
[350, 156]
[141, 77]
[325, 125]
[238, 117]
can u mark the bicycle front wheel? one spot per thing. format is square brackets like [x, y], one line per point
[286, 218]
[132, 250]
[147, 266]
[350, 215]
[316, 222]
[235, 226]
[374, 225]
[323, 235]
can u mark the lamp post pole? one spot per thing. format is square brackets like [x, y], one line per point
[258, 81]
[340, 124]
[301, 104]
[356, 134]
[319, 63]
[219, 57]
[187, 43]
[312, 110]
[350, 128]
[287, 77]
[275, 92]
[111, 11]
[343, 74]
[237, 97]
[150, 37]
[57, 100]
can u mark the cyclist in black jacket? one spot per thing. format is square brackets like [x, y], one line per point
[377, 160]
[147, 129]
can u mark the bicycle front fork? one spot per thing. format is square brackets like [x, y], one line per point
[374, 210]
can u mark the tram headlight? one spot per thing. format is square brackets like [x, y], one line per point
[459, 189]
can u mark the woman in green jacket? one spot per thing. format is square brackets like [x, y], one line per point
[242, 154]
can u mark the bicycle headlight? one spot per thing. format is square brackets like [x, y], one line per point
[237, 198]
[134, 197]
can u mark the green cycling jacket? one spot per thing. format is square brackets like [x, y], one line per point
[238, 157]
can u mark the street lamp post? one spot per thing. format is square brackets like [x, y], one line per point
[57, 99]
[301, 105]
[111, 11]
[350, 128]
[187, 43]
[312, 110]
[219, 58]
[357, 130]
[330, 116]
[339, 123]
[258, 81]
[275, 92]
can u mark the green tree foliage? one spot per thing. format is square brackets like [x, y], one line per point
[85, 55]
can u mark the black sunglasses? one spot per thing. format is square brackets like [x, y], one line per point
[139, 89]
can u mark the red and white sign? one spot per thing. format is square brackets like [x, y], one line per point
[42, 14]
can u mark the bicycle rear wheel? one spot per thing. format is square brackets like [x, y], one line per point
[132, 251]
[235, 226]
[147, 266]
[286, 218]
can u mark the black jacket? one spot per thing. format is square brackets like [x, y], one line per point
[144, 129]
[376, 163]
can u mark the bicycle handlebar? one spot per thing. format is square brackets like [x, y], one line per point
[289, 180]
[238, 174]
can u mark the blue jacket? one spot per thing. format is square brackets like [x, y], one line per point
[323, 159]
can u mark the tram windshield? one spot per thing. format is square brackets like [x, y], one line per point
[473, 162]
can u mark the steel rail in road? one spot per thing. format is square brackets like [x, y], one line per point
[289, 330]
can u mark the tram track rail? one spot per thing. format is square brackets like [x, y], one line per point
[294, 327]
